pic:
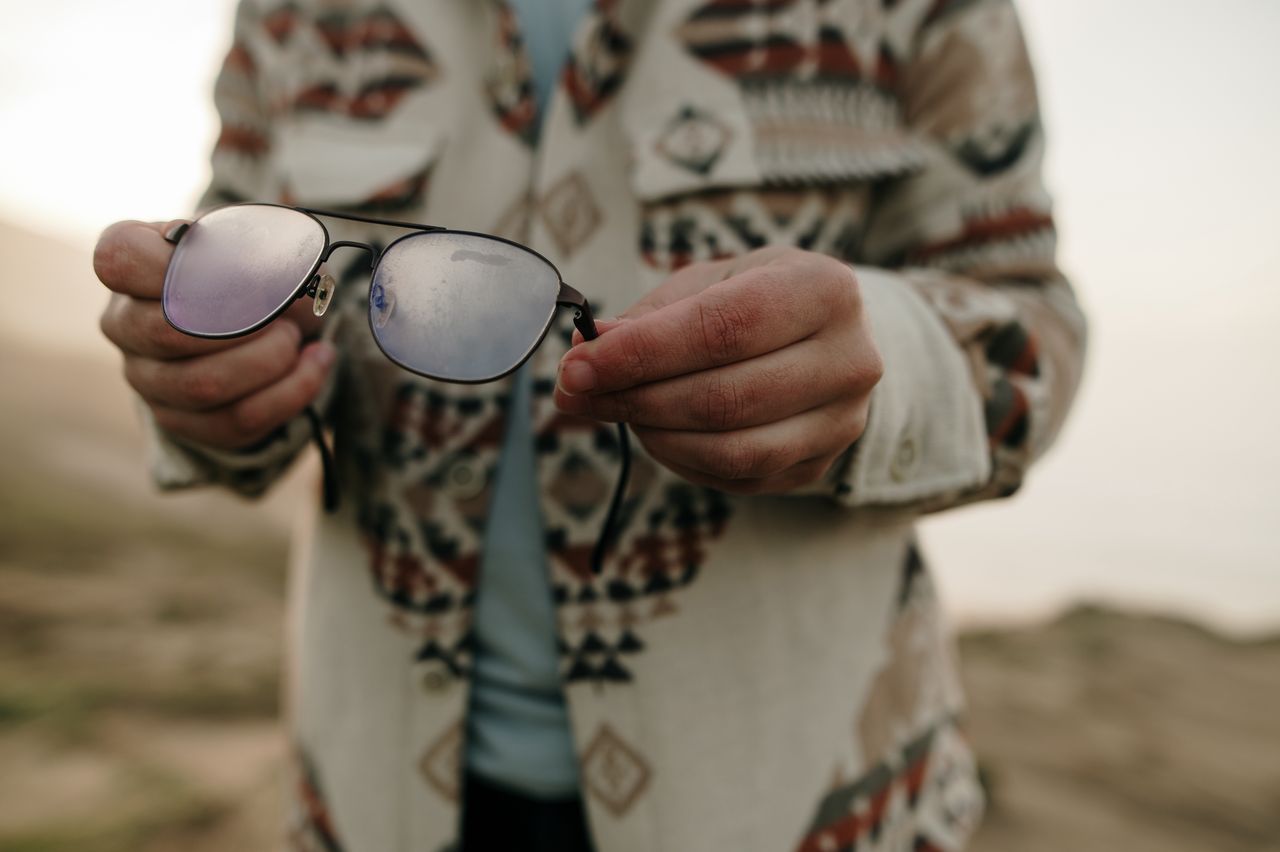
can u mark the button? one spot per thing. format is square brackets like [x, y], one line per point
[435, 681]
[904, 460]
[464, 479]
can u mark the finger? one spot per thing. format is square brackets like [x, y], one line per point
[758, 311]
[302, 313]
[137, 327]
[696, 277]
[760, 452]
[760, 390]
[249, 420]
[218, 379]
[603, 326]
[131, 257]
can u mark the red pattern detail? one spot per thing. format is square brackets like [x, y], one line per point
[376, 31]
[465, 569]
[848, 830]
[433, 430]
[1016, 413]
[315, 813]
[569, 423]
[1028, 361]
[375, 101]
[517, 119]
[1018, 222]
[577, 558]
[586, 98]
[242, 140]
[281, 23]
[239, 59]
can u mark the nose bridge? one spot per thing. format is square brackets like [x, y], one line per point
[334, 246]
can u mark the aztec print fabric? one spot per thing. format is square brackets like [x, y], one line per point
[747, 673]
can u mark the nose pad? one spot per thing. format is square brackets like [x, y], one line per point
[324, 294]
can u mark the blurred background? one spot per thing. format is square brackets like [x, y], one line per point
[1120, 616]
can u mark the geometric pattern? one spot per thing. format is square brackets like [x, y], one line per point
[441, 763]
[570, 213]
[360, 63]
[817, 40]
[924, 798]
[596, 65]
[509, 83]
[664, 527]
[613, 772]
[423, 481]
[1001, 230]
[921, 794]
[659, 554]
[728, 223]
[310, 825]
[694, 139]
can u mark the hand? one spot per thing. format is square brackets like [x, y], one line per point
[228, 394]
[749, 375]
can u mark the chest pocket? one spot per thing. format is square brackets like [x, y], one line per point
[341, 81]
[754, 124]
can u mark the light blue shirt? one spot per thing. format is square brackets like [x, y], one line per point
[518, 724]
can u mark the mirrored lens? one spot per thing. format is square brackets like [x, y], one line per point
[459, 306]
[237, 266]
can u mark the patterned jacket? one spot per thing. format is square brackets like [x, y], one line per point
[748, 673]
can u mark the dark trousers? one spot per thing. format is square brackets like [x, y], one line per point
[495, 819]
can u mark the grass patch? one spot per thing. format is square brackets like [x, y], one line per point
[150, 804]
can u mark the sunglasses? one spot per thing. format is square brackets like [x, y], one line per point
[455, 306]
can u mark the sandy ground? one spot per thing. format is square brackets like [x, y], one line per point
[140, 647]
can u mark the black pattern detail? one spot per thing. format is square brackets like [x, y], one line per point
[656, 563]
[1000, 148]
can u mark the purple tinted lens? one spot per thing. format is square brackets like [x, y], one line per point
[459, 306]
[237, 266]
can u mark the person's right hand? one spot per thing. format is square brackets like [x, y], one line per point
[229, 394]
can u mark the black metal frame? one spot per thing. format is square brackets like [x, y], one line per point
[566, 296]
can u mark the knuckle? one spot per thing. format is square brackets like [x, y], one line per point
[724, 402]
[203, 388]
[845, 424]
[250, 421]
[309, 384]
[636, 355]
[738, 458]
[873, 369]
[623, 406]
[167, 420]
[133, 376]
[859, 371]
[113, 255]
[723, 325]
[109, 320]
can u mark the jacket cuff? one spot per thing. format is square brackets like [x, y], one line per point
[176, 463]
[925, 434]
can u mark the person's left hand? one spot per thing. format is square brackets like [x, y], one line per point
[749, 375]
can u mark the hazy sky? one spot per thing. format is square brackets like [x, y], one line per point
[1164, 129]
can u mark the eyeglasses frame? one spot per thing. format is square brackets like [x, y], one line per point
[566, 296]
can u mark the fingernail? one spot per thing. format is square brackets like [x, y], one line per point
[576, 376]
[323, 354]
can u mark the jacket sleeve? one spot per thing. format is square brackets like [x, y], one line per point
[241, 172]
[982, 339]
